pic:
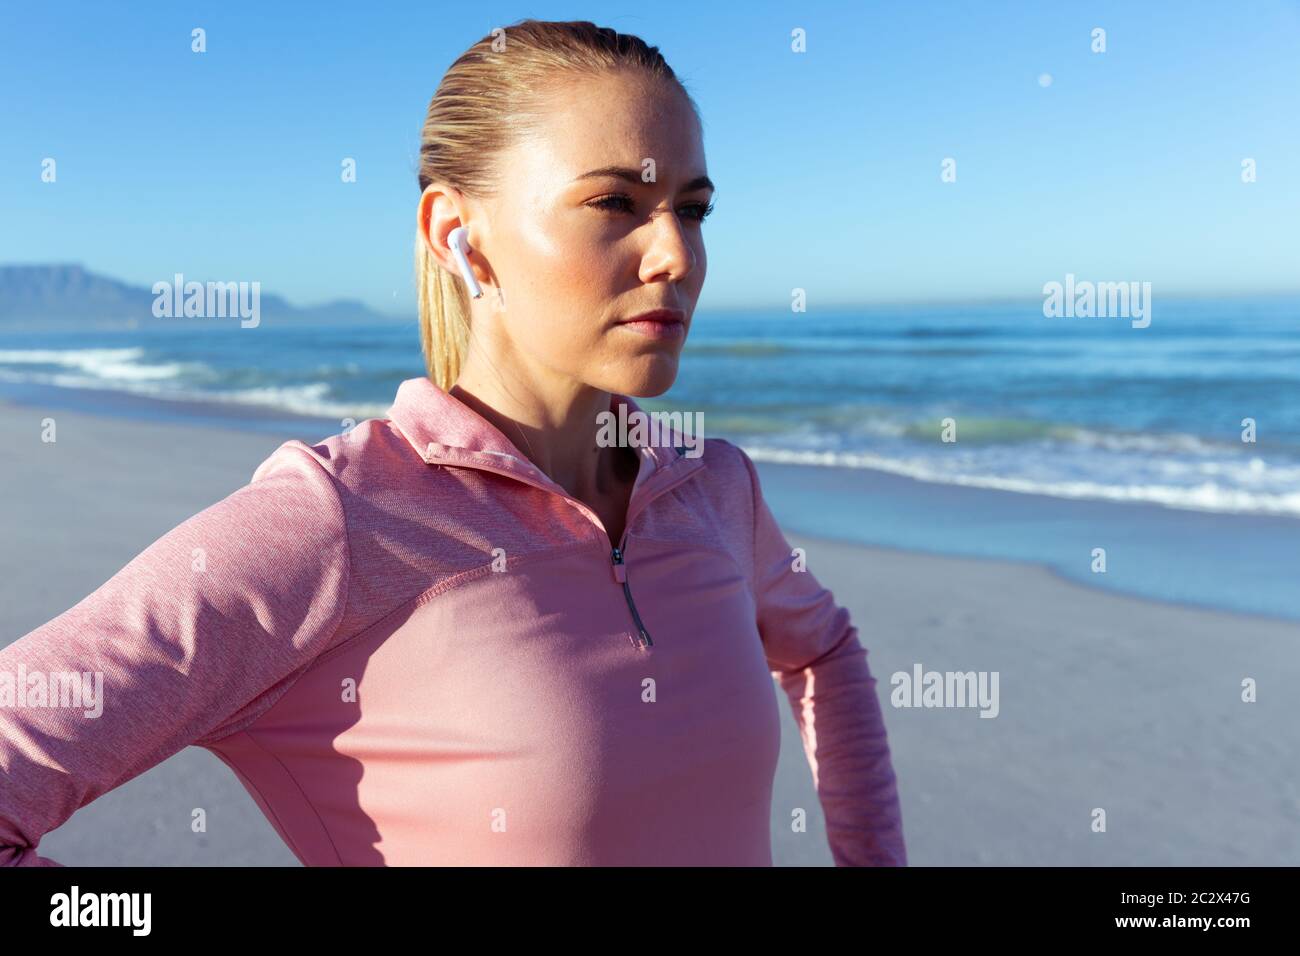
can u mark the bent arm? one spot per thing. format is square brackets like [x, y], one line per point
[817, 658]
[193, 639]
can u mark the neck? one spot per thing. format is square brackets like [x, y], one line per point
[553, 423]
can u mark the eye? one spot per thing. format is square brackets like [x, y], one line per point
[613, 203]
[702, 210]
[620, 202]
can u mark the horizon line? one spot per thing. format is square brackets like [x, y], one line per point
[840, 304]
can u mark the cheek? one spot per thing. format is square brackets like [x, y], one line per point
[562, 264]
[537, 246]
[565, 282]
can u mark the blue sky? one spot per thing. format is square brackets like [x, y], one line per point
[1127, 166]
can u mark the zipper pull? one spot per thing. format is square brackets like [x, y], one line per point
[620, 575]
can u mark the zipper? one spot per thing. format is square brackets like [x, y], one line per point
[620, 575]
[617, 554]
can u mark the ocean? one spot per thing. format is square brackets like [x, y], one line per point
[1071, 409]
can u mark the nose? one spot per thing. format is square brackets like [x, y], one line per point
[670, 251]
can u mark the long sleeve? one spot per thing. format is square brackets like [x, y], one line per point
[193, 639]
[815, 655]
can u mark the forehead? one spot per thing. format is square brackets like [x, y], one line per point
[610, 120]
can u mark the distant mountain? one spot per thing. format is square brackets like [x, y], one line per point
[70, 297]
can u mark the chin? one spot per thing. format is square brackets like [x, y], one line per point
[644, 377]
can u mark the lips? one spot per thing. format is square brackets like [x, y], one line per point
[667, 316]
[663, 324]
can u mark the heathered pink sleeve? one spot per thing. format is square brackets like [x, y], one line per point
[194, 638]
[814, 652]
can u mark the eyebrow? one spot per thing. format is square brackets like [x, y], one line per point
[634, 176]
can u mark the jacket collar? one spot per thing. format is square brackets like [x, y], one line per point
[444, 430]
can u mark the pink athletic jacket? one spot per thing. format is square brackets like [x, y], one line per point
[414, 648]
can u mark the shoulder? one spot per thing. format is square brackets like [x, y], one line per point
[370, 454]
[725, 488]
[321, 490]
[729, 468]
[347, 487]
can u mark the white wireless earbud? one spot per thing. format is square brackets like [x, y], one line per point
[458, 242]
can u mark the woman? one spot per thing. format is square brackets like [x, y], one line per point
[471, 632]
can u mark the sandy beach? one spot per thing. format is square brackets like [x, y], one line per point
[1105, 700]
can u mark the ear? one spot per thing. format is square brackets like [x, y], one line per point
[440, 210]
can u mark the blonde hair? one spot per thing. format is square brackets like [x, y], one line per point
[490, 96]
